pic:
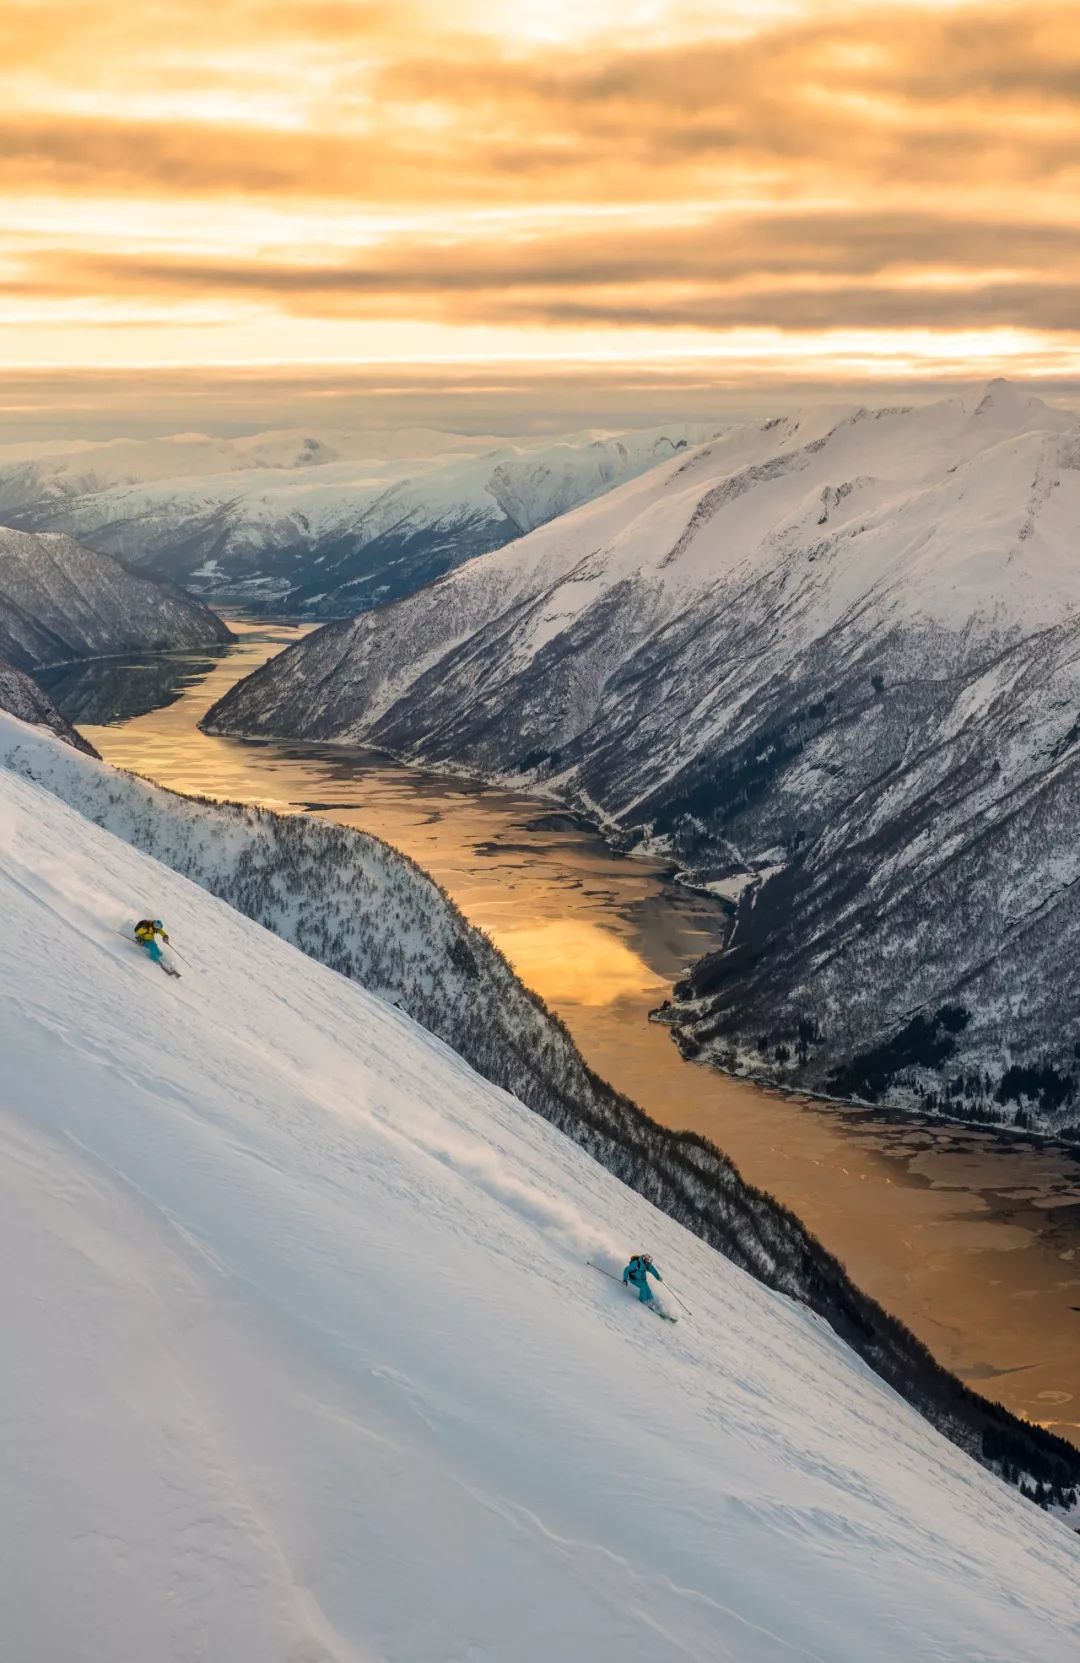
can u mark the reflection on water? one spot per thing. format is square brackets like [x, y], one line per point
[573, 959]
[971, 1237]
[115, 689]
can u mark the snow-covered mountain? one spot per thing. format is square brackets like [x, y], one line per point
[829, 661]
[310, 1363]
[21, 696]
[358, 906]
[31, 474]
[390, 513]
[60, 601]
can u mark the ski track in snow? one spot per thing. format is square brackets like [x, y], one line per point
[310, 1368]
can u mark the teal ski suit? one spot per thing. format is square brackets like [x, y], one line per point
[637, 1273]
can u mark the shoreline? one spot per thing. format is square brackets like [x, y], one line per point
[598, 825]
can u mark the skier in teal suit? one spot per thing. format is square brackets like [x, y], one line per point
[637, 1273]
[147, 931]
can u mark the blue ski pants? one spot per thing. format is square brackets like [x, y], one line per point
[153, 949]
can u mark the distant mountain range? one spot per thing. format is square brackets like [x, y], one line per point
[66, 470]
[830, 662]
[325, 524]
[60, 601]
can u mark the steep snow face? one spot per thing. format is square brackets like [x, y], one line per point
[340, 535]
[310, 1363]
[60, 601]
[352, 903]
[831, 644]
[22, 697]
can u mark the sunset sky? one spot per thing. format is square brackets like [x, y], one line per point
[532, 206]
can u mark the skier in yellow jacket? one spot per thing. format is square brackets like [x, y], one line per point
[147, 931]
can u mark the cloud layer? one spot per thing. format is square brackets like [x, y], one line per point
[877, 188]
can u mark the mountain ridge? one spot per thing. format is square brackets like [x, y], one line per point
[21, 696]
[326, 531]
[812, 641]
[60, 601]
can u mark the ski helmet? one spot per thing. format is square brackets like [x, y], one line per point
[158, 924]
[646, 1258]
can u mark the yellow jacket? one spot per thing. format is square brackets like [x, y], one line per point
[146, 929]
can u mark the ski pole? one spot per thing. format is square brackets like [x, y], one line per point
[602, 1271]
[674, 1295]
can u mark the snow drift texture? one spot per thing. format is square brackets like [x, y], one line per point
[60, 601]
[836, 651]
[361, 908]
[310, 1367]
[326, 524]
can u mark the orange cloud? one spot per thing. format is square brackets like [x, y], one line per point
[801, 270]
[790, 167]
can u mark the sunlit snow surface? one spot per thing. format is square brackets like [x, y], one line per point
[304, 1362]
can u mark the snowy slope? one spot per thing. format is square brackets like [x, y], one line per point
[310, 1367]
[60, 601]
[360, 907]
[829, 648]
[22, 697]
[339, 534]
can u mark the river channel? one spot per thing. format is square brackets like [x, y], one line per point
[971, 1237]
